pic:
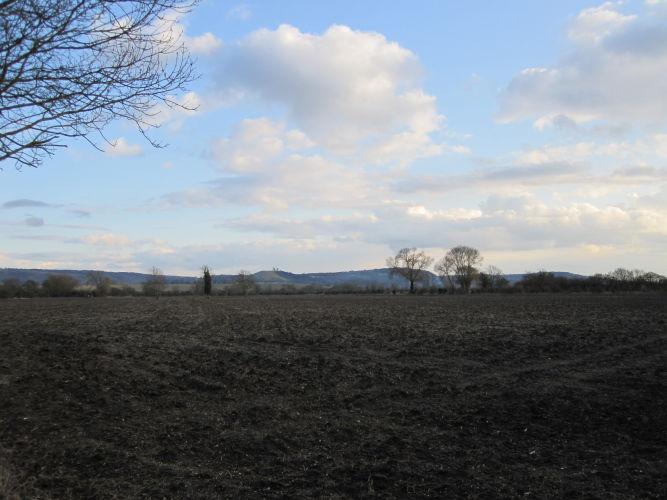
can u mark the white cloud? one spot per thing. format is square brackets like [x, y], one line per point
[120, 147]
[531, 223]
[614, 75]
[406, 147]
[507, 177]
[660, 145]
[656, 200]
[107, 251]
[348, 227]
[549, 154]
[292, 254]
[241, 11]
[345, 89]
[543, 232]
[595, 23]
[177, 109]
[296, 139]
[107, 240]
[291, 180]
[205, 44]
[172, 27]
[450, 214]
[254, 144]
[266, 164]
[649, 149]
[173, 30]
[522, 223]
[351, 101]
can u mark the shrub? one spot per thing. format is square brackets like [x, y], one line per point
[59, 285]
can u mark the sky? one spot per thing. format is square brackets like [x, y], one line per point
[328, 135]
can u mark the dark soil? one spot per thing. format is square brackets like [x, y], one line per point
[536, 396]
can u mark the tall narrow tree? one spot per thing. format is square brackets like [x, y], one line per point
[208, 281]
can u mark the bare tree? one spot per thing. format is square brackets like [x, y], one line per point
[492, 279]
[69, 67]
[30, 289]
[156, 283]
[445, 269]
[651, 277]
[410, 264]
[10, 288]
[59, 285]
[626, 275]
[100, 281]
[621, 274]
[198, 286]
[459, 265]
[244, 283]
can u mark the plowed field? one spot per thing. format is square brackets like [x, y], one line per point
[346, 396]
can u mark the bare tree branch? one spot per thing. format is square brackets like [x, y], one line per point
[70, 67]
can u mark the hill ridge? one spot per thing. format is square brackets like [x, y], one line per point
[363, 277]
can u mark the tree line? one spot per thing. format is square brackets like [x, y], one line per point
[458, 272]
[98, 284]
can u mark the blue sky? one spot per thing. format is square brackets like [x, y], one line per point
[328, 135]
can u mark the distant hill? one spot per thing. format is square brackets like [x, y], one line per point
[359, 278]
[513, 278]
[121, 278]
[275, 278]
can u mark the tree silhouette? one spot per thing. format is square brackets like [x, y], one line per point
[460, 263]
[411, 264]
[156, 283]
[208, 282]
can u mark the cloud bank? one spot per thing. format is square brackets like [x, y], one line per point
[348, 90]
[613, 75]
